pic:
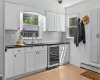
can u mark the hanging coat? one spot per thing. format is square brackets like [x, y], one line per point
[80, 33]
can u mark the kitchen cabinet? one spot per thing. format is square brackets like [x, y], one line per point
[95, 35]
[30, 61]
[60, 22]
[36, 58]
[12, 16]
[50, 21]
[55, 22]
[64, 53]
[41, 60]
[9, 63]
[19, 61]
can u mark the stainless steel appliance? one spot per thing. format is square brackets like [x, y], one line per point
[53, 55]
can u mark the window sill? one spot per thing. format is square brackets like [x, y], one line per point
[70, 38]
[26, 38]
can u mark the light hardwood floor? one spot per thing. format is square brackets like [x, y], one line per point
[67, 72]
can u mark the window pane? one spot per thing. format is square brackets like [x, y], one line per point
[30, 19]
[73, 21]
[72, 31]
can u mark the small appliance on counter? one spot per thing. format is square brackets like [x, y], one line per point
[20, 41]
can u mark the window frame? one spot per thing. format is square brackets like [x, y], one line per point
[68, 17]
[39, 24]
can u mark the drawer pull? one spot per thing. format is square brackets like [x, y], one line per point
[18, 50]
[15, 55]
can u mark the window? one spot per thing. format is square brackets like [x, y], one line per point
[72, 25]
[30, 23]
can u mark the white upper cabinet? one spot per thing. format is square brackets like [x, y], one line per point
[50, 21]
[62, 23]
[12, 16]
[55, 22]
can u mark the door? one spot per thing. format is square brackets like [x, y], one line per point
[41, 60]
[94, 44]
[30, 61]
[64, 53]
[62, 23]
[99, 35]
[94, 35]
[9, 63]
[19, 64]
[11, 16]
[50, 21]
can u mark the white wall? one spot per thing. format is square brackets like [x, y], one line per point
[1, 37]
[82, 53]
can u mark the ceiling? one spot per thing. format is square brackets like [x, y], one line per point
[65, 3]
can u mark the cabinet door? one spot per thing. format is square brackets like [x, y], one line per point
[94, 44]
[30, 61]
[57, 20]
[11, 16]
[50, 21]
[9, 63]
[99, 35]
[41, 60]
[64, 53]
[19, 64]
[62, 23]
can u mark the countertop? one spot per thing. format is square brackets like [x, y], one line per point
[32, 45]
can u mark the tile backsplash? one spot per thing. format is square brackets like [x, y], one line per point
[48, 37]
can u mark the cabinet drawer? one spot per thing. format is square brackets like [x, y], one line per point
[31, 49]
[19, 50]
[41, 48]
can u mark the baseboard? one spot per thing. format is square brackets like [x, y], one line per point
[90, 67]
[26, 74]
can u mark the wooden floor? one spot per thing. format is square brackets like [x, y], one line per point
[67, 72]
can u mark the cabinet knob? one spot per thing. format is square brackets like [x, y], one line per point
[5, 50]
[18, 50]
[15, 55]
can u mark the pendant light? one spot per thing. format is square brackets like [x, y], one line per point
[59, 1]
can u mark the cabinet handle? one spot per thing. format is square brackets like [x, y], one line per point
[5, 50]
[15, 55]
[97, 35]
[38, 52]
[18, 50]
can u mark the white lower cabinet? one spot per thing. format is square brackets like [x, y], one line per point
[64, 53]
[19, 64]
[30, 61]
[9, 63]
[41, 60]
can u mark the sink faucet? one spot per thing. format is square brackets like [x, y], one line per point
[33, 40]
